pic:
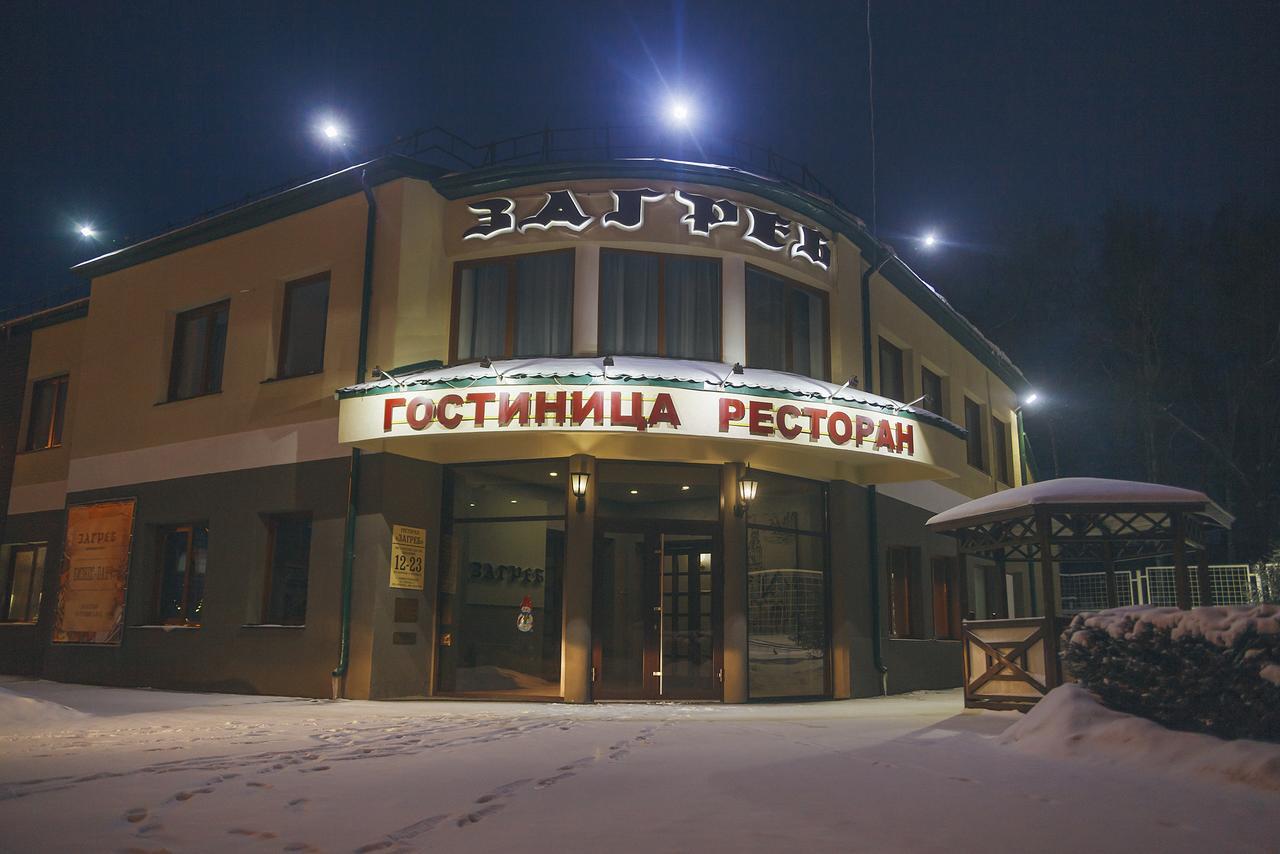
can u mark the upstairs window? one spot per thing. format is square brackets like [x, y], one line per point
[514, 307]
[199, 346]
[48, 413]
[892, 382]
[659, 305]
[786, 325]
[23, 580]
[931, 388]
[289, 562]
[976, 448]
[306, 309]
[1002, 451]
[184, 559]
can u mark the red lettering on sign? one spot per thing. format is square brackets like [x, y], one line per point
[591, 406]
[884, 437]
[664, 411]
[865, 428]
[815, 421]
[512, 407]
[788, 430]
[449, 420]
[419, 412]
[760, 418]
[731, 409]
[481, 399]
[906, 439]
[388, 411]
[543, 409]
[634, 418]
[839, 427]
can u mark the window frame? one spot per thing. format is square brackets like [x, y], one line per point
[1002, 451]
[912, 559]
[179, 331]
[788, 344]
[939, 407]
[272, 522]
[57, 418]
[983, 464]
[946, 596]
[662, 301]
[161, 533]
[37, 576]
[900, 356]
[289, 288]
[513, 287]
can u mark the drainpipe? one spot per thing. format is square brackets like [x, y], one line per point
[339, 673]
[873, 539]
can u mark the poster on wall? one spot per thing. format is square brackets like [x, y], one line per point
[408, 552]
[95, 573]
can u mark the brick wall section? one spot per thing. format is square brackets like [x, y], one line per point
[15, 352]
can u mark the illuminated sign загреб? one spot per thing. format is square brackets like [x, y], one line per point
[703, 214]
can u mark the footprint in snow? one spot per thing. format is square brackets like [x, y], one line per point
[135, 815]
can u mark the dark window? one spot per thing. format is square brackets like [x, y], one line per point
[1003, 457]
[905, 602]
[48, 413]
[946, 598]
[931, 388]
[184, 558]
[786, 325]
[892, 383]
[289, 558]
[501, 580]
[23, 582]
[199, 345]
[659, 305]
[976, 450]
[787, 588]
[514, 307]
[306, 308]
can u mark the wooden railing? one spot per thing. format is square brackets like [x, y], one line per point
[1007, 663]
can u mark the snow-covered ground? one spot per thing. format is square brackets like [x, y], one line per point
[96, 769]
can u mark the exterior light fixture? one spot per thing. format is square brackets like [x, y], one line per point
[87, 231]
[678, 111]
[684, 488]
[930, 240]
[747, 487]
[554, 473]
[332, 131]
[634, 491]
[578, 486]
[1030, 399]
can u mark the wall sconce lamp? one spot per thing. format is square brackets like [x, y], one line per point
[578, 486]
[747, 486]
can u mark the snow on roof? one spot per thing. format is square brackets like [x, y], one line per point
[715, 374]
[1098, 491]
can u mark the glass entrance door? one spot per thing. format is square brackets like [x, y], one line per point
[657, 612]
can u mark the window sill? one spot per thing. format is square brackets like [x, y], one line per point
[270, 380]
[164, 628]
[25, 451]
[27, 623]
[183, 399]
[272, 626]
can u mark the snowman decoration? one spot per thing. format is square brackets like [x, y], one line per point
[524, 621]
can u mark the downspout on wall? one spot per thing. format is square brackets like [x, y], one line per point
[873, 540]
[339, 673]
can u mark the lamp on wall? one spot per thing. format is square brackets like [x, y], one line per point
[747, 486]
[578, 486]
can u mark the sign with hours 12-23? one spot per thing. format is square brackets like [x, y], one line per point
[408, 554]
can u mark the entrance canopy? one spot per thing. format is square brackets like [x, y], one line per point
[631, 407]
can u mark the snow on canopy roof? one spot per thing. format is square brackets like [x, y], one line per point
[1078, 491]
[715, 374]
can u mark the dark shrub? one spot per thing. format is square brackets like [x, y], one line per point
[1199, 670]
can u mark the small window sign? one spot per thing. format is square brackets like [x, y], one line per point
[408, 552]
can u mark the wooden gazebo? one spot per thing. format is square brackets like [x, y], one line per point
[1011, 663]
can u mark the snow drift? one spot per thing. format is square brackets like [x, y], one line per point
[19, 713]
[1070, 723]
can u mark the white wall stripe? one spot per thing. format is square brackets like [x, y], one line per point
[925, 494]
[37, 497]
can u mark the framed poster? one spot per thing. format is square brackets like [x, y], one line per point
[408, 555]
[95, 573]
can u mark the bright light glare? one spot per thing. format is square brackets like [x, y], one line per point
[87, 230]
[679, 111]
[1030, 399]
[332, 131]
[930, 240]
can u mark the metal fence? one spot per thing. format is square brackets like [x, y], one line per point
[1232, 584]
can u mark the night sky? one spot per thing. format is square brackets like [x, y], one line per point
[134, 116]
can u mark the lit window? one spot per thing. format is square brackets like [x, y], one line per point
[514, 307]
[23, 566]
[786, 325]
[306, 308]
[184, 559]
[659, 305]
[199, 345]
[48, 413]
